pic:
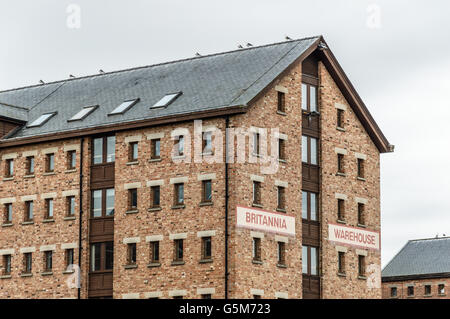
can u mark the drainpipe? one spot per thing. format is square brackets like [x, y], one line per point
[81, 216]
[227, 123]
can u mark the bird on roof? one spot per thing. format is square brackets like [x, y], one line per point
[197, 54]
[71, 75]
[249, 45]
[101, 71]
[240, 46]
[42, 82]
[288, 38]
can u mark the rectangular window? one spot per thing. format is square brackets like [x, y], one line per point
[110, 149]
[6, 265]
[281, 253]
[154, 252]
[71, 160]
[179, 143]
[309, 97]
[132, 199]
[310, 206]
[9, 167]
[131, 254]
[207, 191]
[427, 290]
[206, 248]
[360, 168]
[340, 118]
[341, 262]
[179, 194]
[155, 194]
[206, 296]
[361, 265]
[133, 152]
[361, 215]
[256, 193]
[341, 209]
[98, 151]
[70, 205]
[340, 163]
[256, 249]
[256, 144]
[393, 292]
[30, 165]
[27, 263]
[156, 149]
[410, 291]
[207, 143]
[103, 203]
[110, 195]
[178, 250]
[281, 198]
[102, 256]
[281, 149]
[310, 261]
[104, 150]
[28, 211]
[96, 256]
[441, 289]
[48, 261]
[281, 102]
[69, 257]
[8, 214]
[49, 208]
[309, 150]
[50, 163]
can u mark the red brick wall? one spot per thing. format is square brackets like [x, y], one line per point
[419, 289]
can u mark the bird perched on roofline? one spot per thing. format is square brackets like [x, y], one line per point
[42, 82]
[240, 46]
[101, 71]
[71, 76]
[249, 45]
[288, 38]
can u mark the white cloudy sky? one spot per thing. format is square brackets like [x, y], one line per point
[400, 67]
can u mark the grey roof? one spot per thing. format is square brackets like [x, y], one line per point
[214, 81]
[420, 257]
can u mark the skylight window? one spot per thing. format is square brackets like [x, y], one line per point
[85, 111]
[125, 106]
[166, 100]
[41, 119]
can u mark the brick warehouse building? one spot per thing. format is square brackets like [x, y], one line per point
[421, 269]
[112, 172]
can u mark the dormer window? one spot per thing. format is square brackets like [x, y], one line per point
[166, 100]
[125, 106]
[41, 120]
[83, 113]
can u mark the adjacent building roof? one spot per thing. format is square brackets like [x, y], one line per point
[420, 257]
[229, 80]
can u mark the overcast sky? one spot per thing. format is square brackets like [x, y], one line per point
[396, 53]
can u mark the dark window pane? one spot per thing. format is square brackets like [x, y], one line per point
[95, 257]
[109, 255]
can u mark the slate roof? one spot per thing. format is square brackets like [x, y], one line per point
[220, 80]
[420, 257]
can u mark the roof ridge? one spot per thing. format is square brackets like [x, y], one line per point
[157, 64]
[434, 238]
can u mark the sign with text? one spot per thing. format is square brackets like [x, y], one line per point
[353, 236]
[259, 219]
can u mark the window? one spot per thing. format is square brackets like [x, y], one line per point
[361, 215]
[179, 145]
[30, 165]
[310, 261]
[125, 106]
[281, 253]
[69, 257]
[71, 159]
[166, 100]
[178, 250]
[441, 289]
[70, 205]
[206, 296]
[155, 196]
[156, 148]
[207, 143]
[427, 290]
[154, 252]
[281, 102]
[256, 193]
[132, 199]
[256, 249]
[340, 118]
[256, 144]
[309, 97]
[133, 152]
[179, 194]
[9, 169]
[103, 202]
[207, 191]
[281, 149]
[410, 291]
[104, 150]
[206, 248]
[310, 206]
[27, 263]
[360, 168]
[131, 254]
[256, 296]
[28, 211]
[48, 261]
[281, 198]
[393, 292]
[309, 150]
[361, 265]
[340, 163]
[102, 256]
[50, 163]
[83, 113]
[49, 208]
[341, 209]
[6, 265]
[8, 214]
[341, 262]
[41, 119]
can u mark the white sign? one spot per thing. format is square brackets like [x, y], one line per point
[353, 236]
[259, 219]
